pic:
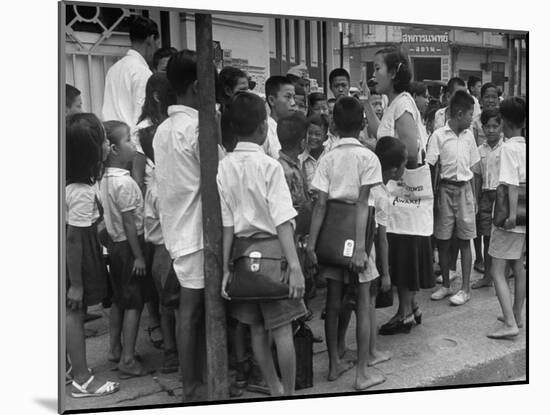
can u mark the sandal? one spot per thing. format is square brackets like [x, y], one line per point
[69, 375]
[157, 344]
[82, 390]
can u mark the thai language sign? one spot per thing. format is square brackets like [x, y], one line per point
[425, 42]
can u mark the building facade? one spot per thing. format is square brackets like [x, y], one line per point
[438, 54]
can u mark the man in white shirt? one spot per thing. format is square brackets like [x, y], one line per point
[125, 81]
[279, 94]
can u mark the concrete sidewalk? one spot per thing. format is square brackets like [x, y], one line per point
[450, 347]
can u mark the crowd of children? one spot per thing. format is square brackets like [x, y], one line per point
[283, 161]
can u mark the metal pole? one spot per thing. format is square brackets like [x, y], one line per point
[511, 66]
[216, 341]
[325, 66]
[341, 29]
[518, 93]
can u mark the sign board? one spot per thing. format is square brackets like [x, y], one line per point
[425, 42]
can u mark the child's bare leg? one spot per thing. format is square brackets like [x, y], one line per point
[168, 326]
[76, 344]
[154, 319]
[375, 356]
[466, 263]
[190, 316]
[453, 252]
[115, 331]
[444, 247]
[519, 289]
[130, 327]
[264, 357]
[344, 318]
[364, 378]
[333, 306]
[239, 342]
[282, 336]
[510, 328]
[477, 247]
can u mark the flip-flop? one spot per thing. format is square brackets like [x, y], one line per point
[82, 390]
[481, 284]
[69, 375]
[157, 344]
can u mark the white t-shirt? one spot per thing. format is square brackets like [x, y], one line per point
[125, 89]
[271, 145]
[513, 164]
[120, 194]
[80, 204]
[151, 224]
[254, 194]
[381, 205]
[401, 104]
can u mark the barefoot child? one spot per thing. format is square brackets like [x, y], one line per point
[486, 175]
[124, 223]
[256, 203]
[347, 173]
[86, 281]
[455, 147]
[508, 243]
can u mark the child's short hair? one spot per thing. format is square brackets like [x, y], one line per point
[229, 77]
[70, 95]
[418, 88]
[391, 152]
[514, 111]
[396, 60]
[320, 120]
[155, 111]
[315, 97]
[338, 72]
[182, 70]
[299, 90]
[460, 101]
[110, 130]
[472, 81]
[331, 100]
[146, 136]
[141, 28]
[85, 136]
[246, 112]
[274, 84]
[163, 53]
[348, 115]
[291, 130]
[487, 114]
[453, 83]
[487, 86]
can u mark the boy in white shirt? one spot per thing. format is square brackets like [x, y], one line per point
[176, 149]
[280, 96]
[347, 173]
[454, 146]
[256, 203]
[508, 242]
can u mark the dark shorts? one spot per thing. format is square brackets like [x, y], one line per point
[270, 314]
[455, 212]
[164, 277]
[129, 291]
[484, 220]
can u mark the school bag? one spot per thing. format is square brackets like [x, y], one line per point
[336, 242]
[258, 269]
[502, 207]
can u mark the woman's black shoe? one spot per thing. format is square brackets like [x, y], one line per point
[397, 326]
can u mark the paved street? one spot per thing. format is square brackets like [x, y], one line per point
[448, 348]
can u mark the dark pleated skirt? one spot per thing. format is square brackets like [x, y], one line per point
[411, 261]
[94, 271]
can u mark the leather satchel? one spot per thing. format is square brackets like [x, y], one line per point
[502, 207]
[336, 242]
[258, 268]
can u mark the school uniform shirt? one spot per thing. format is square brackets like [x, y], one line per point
[80, 204]
[458, 154]
[329, 143]
[177, 171]
[440, 118]
[488, 166]
[254, 195]
[120, 194]
[309, 165]
[513, 163]
[401, 104]
[295, 179]
[381, 205]
[347, 167]
[125, 89]
[271, 145]
[151, 223]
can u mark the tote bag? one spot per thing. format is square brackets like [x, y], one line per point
[411, 203]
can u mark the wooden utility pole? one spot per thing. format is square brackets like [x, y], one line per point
[519, 41]
[325, 64]
[216, 340]
[511, 67]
